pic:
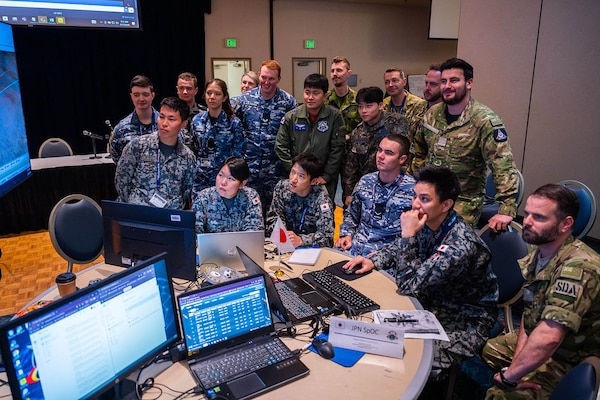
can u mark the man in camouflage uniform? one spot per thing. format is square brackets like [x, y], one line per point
[467, 137]
[141, 121]
[364, 140]
[399, 99]
[187, 89]
[372, 220]
[304, 207]
[316, 128]
[440, 260]
[158, 169]
[229, 205]
[559, 326]
[261, 110]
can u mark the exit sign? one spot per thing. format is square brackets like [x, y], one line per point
[309, 44]
[230, 42]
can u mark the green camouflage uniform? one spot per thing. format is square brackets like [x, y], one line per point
[362, 147]
[348, 107]
[143, 171]
[566, 291]
[477, 140]
[324, 138]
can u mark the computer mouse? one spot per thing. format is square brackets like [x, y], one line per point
[323, 347]
[351, 271]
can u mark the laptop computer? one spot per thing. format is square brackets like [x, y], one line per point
[232, 321]
[292, 300]
[220, 248]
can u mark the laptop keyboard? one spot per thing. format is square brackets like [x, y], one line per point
[340, 291]
[224, 368]
[293, 303]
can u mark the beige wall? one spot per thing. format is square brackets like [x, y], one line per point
[372, 37]
[546, 95]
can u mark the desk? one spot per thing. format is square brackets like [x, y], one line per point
[372, 377]
[28, 206]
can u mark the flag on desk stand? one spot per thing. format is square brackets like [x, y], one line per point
[280, 237]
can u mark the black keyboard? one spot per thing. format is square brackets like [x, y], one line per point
[340, 291]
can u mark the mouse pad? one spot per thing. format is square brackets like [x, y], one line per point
[344, 357]
[337, 270]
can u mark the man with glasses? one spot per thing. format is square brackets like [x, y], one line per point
[261, 110]
[141, 121]
[372, 220]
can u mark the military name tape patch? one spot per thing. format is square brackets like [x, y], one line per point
[566, 288]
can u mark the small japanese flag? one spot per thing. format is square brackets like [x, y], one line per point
[280, 237]
[324, 207]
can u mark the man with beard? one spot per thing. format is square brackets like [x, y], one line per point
[559, 326]
[468, 138]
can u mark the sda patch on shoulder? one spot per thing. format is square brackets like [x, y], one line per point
[575, 273]
[500, 135]
[566, 288]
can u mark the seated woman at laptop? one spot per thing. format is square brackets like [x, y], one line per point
[229, 206]
[303, 205]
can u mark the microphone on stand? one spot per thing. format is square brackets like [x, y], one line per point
[93, 136]
[107, 122]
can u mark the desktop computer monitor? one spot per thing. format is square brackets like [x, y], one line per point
[135, 232]
[88, 342]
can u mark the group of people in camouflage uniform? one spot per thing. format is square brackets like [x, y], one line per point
[413, 173]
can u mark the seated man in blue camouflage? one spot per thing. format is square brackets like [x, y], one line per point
[158, 169]
[372, 219]
[143, 119]
[440, 260]
[229, 205]
[303, 205]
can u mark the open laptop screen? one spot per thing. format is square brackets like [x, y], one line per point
[222, 315]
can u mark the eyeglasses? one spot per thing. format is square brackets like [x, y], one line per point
[184, 88]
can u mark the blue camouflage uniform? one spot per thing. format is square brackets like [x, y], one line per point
[213, 143]
[310, 217]
[373, 218]
[449, 272]
[362, 147]
[186, 133]
[261, 119]
[128, 128]
[143, 171]
[213, 215]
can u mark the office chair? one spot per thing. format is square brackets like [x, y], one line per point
[75, 227]
[490, 207]
[54, 147]
[579, 383]
[507, 247]
[587, 207]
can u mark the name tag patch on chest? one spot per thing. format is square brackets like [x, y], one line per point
[299, 127]
[566, 288]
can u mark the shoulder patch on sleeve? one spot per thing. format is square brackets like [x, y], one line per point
[255, 201]
[572, 272]
[496, 121]
[324, 207]
[500, 135]
[566, 288]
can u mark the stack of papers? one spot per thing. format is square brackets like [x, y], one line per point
[305, 256]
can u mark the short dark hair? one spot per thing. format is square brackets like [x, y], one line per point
[238, 167]
[317, 81]
[401, 140]
[371, 94]
[394, 69]
[141, 81]
[435, 67]
[176, 104]
[310, 163]
[458, 63]
[444, 181]
[566, 200]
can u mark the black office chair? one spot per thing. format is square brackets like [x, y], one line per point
[580, 383]
[490, 207]
[587, 207]
[506, 247]
[55, 147]
[75, 227]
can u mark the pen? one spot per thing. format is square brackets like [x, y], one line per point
[287, 265]
[399, 320]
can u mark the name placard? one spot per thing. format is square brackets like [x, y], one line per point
[379, 339]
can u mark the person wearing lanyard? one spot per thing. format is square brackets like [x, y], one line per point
[440, 260]
[303, 205]
[158, 169]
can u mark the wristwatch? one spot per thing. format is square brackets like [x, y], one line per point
[506, 381]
